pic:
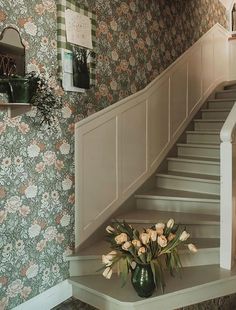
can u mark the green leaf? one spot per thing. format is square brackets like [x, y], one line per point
[158, 274]
[124, 270]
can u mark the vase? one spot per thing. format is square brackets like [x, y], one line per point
[143, 281]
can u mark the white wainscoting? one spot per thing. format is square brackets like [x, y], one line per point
[118, 148]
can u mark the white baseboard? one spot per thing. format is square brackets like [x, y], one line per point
[48, 299]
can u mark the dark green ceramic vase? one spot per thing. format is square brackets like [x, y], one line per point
[142, 280]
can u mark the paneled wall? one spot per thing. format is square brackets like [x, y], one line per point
[120, 148]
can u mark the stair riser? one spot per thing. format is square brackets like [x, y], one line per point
[203, 138]
[201, 258]
[188, 185]
[201, 168]
[208, 126]
[214, 115]
[203, 231]
[226, 95]
[175, 205]
[86, 266]
[92, 265]
[201, 152]
[233, 86]
[200, 230]
[220, 104]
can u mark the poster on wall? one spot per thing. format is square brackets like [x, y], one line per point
[78, 29]
[76, 42]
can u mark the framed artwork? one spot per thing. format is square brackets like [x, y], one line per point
[76, 45]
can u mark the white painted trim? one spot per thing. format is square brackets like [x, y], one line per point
[48, 299]
[230, 8]
[227, 212]
[228, 130]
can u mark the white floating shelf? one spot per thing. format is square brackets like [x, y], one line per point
[16, 108]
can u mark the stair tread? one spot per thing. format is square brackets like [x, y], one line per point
[194, 159]
[173, 194]
[190, 176]
[193, 282]
[207, 132]
[215, 110]
[144, 216]
[197, 145]
[226, 91]
[220, 100]
[209, 120]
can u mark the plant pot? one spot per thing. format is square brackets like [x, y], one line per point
[17, 89]
[143, 281]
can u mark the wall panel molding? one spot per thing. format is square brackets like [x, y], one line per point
[118, 148]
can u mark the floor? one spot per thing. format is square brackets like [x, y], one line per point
[223, 303]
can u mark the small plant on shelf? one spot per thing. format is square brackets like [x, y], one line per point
[155, 249]
[44, 96]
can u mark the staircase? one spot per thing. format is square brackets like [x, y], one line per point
[187, 188]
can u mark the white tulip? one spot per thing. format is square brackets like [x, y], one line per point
[126, 245]
[144, 237]
[107, 259]
[184, 236]
[107, 273]
[141, 250]
[136, 243]
[121, 238]
[160, 228]
[162, 241]
[192, 248]
[170, 223]
[110, 229]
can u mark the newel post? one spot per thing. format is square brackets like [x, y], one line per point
[228, 191]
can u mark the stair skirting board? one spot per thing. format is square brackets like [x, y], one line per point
[48, 299]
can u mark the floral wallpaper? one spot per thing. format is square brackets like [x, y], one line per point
[136, 40]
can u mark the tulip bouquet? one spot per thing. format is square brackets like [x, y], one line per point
[156, 246]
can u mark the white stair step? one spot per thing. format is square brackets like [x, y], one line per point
[230, 86]
[215, 113]
[178, 201]
[195, 285]
[189, 182]
[208, 124]
[89, 260]
[199, 150]
[198, 225]
[220, 104]
[210, 137]
[226, 94]
[194, 165]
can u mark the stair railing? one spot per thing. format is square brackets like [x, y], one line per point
[228, 191]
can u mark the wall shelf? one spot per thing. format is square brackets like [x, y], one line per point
[15, 109]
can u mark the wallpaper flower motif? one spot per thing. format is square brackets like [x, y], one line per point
[136, 40]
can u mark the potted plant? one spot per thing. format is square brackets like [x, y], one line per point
[43, 96]
[17, 88]
[145, 254]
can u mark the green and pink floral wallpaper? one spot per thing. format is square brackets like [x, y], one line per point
[136, 41]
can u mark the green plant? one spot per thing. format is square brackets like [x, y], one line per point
[157, 246]
[46, 98]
